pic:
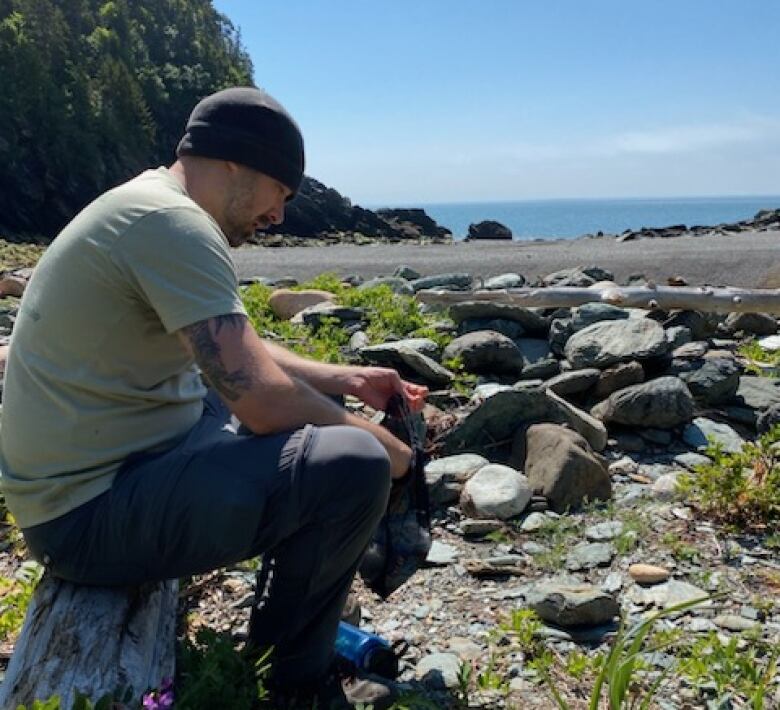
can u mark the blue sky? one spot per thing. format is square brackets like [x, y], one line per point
[410, 102]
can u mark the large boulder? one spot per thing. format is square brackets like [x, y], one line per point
[562, 467]
[496, 491]
[500, 415]
[486, 351]
[609, 342]
[662, 403]
[489, 229]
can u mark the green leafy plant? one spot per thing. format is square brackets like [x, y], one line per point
[741, 489]
[759, 361]
[15, 595]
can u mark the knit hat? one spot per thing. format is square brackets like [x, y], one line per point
[247, 126]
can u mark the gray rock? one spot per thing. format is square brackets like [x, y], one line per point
[439, 670]
[479, 528]
[758, 392]
[702, 326]
[753, 323]
[387, 354]
[663, 403]
[486, 351]
[511, 328]
[691, 460]
[560, 464]
[587, 555]
[660, 437]
[530, 320]
[465, 648]
[618, 377]
[578, 277]
[768, 419]
[458, 468]
[698, 433]
[425, 367]
[539, 359]
[496, 491]
[666, 594]
[770, 343]
[609, 342]
[406, 272]
[715, 381]
[733, 622]
[665, 486]
[509, 280]
[396, 284]
[604, 532]
[534, 522]
[572, 605]
[449, 282]
[314, 316]
[574, 381]
[498, 418]
[591, 313]
[358, 341]
[441, 554]
[560, 332]
[678, 335]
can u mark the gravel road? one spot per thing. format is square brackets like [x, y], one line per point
[743, 259]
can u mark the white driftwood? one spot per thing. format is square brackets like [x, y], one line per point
[94, 640]
[705, 299]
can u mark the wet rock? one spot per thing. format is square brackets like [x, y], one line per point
[648, 574]
[698, 433]
[572, 605]
[285, 303]
[587, 555]
[663, 403]
[496, 491]
[609, 342]
[618, 377]
[486, 351]
[560, 464]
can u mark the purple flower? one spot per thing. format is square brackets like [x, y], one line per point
[162, 699]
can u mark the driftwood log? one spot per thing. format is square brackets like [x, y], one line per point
[705, 298]
[94, 640]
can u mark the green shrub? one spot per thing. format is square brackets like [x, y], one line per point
[741, 489]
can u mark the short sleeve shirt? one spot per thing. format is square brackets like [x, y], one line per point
[96, 370]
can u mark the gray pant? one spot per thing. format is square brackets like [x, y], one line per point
[307, 500]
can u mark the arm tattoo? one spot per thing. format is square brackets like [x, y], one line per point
[202, 337]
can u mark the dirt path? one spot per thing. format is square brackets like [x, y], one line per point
[744, 259]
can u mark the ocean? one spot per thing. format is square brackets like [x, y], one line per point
[569, 218]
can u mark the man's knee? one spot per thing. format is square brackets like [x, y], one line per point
[353, 467]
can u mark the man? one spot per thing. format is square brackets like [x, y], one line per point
[121, 467]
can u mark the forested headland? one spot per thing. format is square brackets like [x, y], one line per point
[92, 92]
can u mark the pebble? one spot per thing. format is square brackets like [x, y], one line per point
[466, 649]
[604, 532]
[733, 622]
[535, 521]
[648, 574]
[442, 554]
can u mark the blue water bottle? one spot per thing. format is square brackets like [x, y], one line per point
[366, 652]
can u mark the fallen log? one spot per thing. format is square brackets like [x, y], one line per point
[94, 640]
[703, 298]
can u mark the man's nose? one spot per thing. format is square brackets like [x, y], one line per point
[277, 213]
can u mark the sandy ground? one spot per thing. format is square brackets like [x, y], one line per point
[744, 259]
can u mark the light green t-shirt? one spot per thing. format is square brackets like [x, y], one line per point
[95, 370]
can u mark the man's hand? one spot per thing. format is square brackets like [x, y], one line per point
[375, 386]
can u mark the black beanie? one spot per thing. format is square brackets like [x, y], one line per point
[247, 126]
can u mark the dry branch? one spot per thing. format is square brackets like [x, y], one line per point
[705, 298]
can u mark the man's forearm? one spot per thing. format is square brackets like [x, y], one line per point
[325, 378]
